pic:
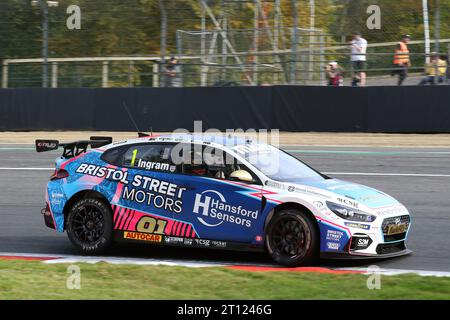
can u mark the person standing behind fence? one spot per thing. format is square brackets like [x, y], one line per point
[402, 61]
[358, 58]
[436, 70]
[335, 74]
[173, 73]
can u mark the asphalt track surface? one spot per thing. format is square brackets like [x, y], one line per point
[417, 177]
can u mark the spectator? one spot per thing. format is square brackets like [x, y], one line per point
[172, 73]
[447, 73]
[402, 61]
[358, 47]
[335, 74]
[436, 70]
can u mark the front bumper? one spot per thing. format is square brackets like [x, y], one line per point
[385, 238]
[402, 251]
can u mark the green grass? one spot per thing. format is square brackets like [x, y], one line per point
[36, 280]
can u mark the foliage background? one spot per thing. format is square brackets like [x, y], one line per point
[132, 28]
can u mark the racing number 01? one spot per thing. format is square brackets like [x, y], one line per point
[151, 225]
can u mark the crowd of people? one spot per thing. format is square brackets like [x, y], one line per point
[437, 70]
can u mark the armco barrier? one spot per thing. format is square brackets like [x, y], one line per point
[288, 108]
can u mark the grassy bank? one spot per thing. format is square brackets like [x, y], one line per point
[36, 280]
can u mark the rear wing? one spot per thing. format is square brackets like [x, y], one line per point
[72, 149]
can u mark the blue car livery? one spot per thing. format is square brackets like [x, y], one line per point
[215, 192]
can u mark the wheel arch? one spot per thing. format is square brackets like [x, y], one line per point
[294, 206]
[81, 195]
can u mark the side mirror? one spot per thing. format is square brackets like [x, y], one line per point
[241, 175]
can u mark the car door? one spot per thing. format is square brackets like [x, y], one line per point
[149, 199]
[220, 207]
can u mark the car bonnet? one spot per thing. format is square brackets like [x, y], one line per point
[367, 196]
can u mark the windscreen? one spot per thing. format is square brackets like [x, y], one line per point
[277, 164]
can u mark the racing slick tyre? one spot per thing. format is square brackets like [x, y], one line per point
[292, 238]
[89, 225]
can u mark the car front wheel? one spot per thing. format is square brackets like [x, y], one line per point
[89, 225]
[292, 238]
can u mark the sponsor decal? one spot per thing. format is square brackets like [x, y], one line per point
[202, 242]
[219, 244]
[312, 192]
[344, 187]
[149, 165]
[334, 235]
[49, 145]
[324, 209]
[213, 210]
[319, 204]
[57, 195]
[372, 197]
[197, 242]
[252, 148]
[391, 210]
[291, 188]
[348, 202]
[357, 225]
[157, 201]
[103, 172]
[46, 145]
[396, 228]
[333, 245]
[362, 242]
[275, 185]
[174, 240]
[56, 198]
[141, 189]
[142, 236]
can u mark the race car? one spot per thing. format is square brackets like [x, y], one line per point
[213, 191]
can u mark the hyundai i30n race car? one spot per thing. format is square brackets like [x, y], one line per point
[217, 192]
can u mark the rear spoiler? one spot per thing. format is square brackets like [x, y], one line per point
[72, 149]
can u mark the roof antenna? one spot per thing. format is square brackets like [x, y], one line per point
[140, 134]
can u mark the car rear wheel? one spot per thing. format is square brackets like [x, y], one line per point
[89, 225]
[292, 238]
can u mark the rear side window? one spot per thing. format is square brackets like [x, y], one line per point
[112, 156]
[152, 157]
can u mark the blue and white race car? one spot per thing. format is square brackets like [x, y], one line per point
[215, 192]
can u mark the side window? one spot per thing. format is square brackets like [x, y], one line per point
[154, 157]
[215, 163]
[112, 156]
[193, 163]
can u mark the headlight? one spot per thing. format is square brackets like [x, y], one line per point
[351, 214]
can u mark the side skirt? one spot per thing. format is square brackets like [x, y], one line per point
[162, 240]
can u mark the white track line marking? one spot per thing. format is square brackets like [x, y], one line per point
[396, 272]
[62, 258]
[429, 175]
[389, 174]
[27, 169]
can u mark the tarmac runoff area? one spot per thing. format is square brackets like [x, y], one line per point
[415, 169]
